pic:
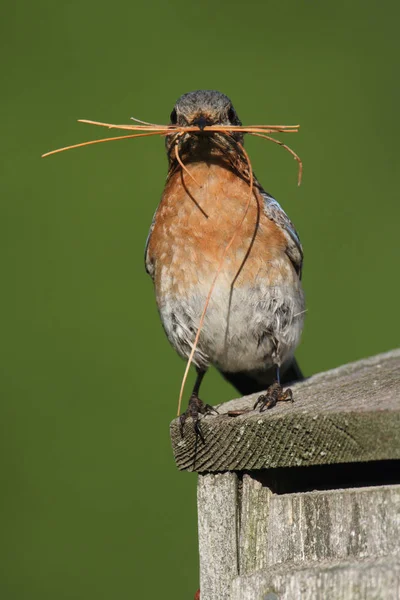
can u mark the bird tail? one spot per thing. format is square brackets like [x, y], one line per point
[251, 383]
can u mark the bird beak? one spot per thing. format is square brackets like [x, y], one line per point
[201, 122]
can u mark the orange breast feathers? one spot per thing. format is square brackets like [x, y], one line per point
[196, 221]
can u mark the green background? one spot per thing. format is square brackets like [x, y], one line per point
[92, 506]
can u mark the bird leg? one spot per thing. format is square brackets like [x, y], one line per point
[196, 407]
[274, 394]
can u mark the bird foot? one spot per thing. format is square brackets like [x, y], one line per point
[196, 407]
[275, 393]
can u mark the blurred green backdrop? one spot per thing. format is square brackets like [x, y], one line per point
[92, 506]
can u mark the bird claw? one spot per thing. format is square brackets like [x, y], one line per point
[274, 394]
[196, 407]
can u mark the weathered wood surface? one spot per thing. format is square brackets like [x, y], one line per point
[253, 524]
[353, 580]
[244, 529]
[315, 526]
[348, 414]
[218, 518]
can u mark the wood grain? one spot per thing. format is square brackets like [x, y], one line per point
[253, 542]
[348, 414]
[218, 515]
[349, 580]
[316, 526]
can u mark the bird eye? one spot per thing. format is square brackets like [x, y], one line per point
[232, 114]
[174, 117]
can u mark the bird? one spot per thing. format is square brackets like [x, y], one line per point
[255, 315]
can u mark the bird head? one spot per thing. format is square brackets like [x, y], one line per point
[202, 109]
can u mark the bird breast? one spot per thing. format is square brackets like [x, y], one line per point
[254, 315]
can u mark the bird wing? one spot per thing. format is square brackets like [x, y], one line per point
[275, 213]
[147, 262]
[252, 383]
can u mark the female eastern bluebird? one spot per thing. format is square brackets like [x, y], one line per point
[255, 316]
